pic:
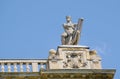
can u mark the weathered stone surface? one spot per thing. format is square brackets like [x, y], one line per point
[74, 56]
[62, 73]
[72, 32]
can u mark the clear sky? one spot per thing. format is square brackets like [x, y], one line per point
[30, 28]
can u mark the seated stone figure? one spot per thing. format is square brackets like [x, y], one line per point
[71, 34]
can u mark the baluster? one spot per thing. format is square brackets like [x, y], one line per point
[2, 67]
[9, 67]
[41, 66]
[21, 67]
[27, 67]
[15, 67]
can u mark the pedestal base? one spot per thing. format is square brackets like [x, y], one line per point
[74, 56]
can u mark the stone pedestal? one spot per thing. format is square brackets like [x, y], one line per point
[74, 57]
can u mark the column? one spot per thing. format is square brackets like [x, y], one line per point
[2, 67]
[21, 67]
[15, 67]
[9, 67]
[27, 67]
[35, 67]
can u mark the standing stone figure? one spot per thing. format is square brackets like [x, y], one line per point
[72, 32]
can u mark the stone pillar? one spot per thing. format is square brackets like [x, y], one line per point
[35, 67]
[2, 67]
[21, 67]
[15, 67]
[9, 67]
[27, 67]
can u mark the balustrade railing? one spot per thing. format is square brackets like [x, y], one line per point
[22, 65]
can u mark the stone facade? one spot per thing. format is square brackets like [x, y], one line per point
[74, 57]
[69, 61]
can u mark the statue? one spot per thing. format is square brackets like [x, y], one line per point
[72, 32]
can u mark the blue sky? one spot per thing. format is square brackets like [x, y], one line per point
[30, 28]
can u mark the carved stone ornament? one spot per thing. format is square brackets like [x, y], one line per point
[72, 32]
[74, 60]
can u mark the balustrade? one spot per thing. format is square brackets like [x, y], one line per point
[22, 65]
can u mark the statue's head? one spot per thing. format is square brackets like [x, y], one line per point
[68, 18]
